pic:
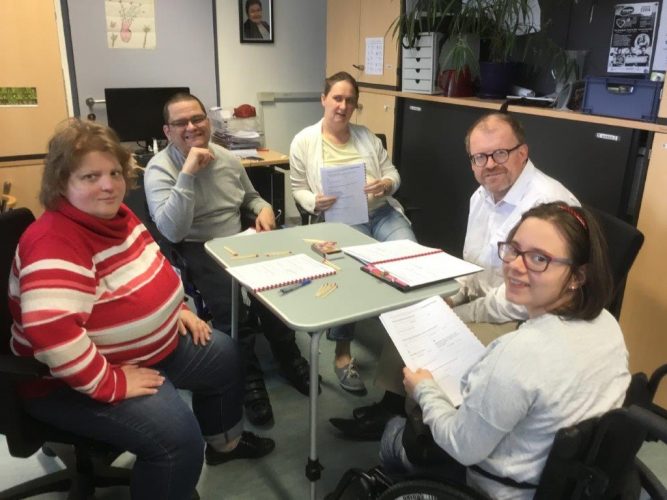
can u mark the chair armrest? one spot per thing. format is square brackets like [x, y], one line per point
[22, 368]
[656, 378]
[654, 423]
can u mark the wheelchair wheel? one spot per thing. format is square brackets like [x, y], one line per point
[428, 490]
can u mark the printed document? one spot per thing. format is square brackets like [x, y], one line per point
[388, 250]
[427, 269]
[430, 335]
[346, 183]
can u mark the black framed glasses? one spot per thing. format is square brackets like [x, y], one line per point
[532, 259]
[500, 156]
[195, 120]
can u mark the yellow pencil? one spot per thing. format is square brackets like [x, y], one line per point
[329, 291]
[313, 241]
[275, 254]
[231, 251]
[331, 264]
[247, 256]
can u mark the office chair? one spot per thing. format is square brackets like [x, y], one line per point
[135, 199]
[308, 218]
[87, 461]
[624, 242]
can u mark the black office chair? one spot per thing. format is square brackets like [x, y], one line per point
[624, 242]
[308, 218]
[135, 199]
[87, 461]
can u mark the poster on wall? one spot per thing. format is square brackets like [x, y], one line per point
[632, 37]
[130, 24]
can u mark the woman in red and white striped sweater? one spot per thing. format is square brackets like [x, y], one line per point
[93, 298]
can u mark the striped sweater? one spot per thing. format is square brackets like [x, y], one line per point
[88, 295]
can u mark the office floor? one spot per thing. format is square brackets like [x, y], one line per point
[280, 476]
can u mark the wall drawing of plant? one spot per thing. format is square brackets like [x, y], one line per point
[114, 37]
[146, 31]
[127, 13]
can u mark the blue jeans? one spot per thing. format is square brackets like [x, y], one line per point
[384, 224]
[161, 430]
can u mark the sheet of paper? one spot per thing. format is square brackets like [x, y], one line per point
[428, 269]
[660, 58]
[346, 183]
[244, 153]
[430, 335]
[374, 62]
[279, 272]
[387, 250]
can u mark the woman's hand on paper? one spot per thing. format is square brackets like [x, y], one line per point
[199, 329]
[324, 202]
[412, 379]
[266, 220]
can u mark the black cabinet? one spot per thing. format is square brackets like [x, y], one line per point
[602, 165]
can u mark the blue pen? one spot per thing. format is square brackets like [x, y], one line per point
[293, 287]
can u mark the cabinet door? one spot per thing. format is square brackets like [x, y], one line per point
[644, 311]
[343, 36]
[376, 17]
[377, 113]
[30, 58]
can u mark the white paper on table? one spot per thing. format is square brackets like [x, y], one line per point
[430, 335]
[428, 269]
[387, 250]
[346, 183]
[374, 60]
[244, 153]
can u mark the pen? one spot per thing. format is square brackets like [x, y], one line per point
[293, 287]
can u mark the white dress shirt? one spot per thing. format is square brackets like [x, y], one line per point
[488, 223]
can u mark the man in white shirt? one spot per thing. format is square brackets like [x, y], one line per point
[509, 185]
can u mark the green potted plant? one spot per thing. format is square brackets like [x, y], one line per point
[497, 26]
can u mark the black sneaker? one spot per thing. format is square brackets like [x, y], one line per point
[250, 446]
[256, 402]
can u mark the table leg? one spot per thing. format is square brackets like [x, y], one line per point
[235, 309]
[313, 467]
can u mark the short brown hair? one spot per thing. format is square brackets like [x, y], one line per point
[509, 119]
[74, 139]
[179, 97]
[587, 249]
[341, 76]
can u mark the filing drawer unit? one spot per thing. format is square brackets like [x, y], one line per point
[420, 65]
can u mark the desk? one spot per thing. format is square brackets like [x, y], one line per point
[359, 296]
[268, 178]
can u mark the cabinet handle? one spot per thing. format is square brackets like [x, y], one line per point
[360, 67]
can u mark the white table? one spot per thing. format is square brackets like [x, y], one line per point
[359, 296]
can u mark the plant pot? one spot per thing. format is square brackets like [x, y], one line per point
[495, 79]
[456, 84]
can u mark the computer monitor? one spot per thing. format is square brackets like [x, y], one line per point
[136, 113]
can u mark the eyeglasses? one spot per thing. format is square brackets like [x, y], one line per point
[533, 260]
[500, 156]
[195, 120]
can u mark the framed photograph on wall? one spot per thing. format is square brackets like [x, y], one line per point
[256, 21]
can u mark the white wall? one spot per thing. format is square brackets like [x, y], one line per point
[294, 62]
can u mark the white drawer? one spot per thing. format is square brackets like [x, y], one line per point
[417, 73]
[424, 39]
[418, 62]
[418, 52]
[424, 85]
